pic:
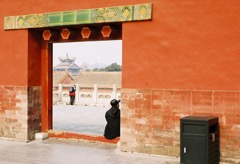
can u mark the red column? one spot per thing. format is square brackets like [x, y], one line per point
[46, 53]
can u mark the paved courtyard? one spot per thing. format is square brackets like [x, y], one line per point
[82, 119]
[54, 151]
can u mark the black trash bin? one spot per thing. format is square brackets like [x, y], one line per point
[199, 140]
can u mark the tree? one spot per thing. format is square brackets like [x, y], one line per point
[95, 69]
[114, 67]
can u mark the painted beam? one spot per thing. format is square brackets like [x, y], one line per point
[78, 17]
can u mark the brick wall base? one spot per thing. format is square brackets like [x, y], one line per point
[20, 112]
[151, 119]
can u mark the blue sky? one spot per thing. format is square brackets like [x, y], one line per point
[105, 52]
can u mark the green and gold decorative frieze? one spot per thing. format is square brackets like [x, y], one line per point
[76, 17]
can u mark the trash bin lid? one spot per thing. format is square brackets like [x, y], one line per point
[200, 119]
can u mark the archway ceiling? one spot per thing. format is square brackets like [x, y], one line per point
[77, 17]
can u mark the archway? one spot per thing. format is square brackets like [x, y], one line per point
[64, 26]
[94, 68]
[98, 32]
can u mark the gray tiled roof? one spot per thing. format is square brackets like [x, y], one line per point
[103, 79]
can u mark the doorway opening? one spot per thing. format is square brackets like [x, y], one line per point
[96, 33]
[94, 68]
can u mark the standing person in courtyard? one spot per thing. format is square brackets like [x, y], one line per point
[72, 91]
[112, 129]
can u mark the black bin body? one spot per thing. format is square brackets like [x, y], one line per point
[199, 140]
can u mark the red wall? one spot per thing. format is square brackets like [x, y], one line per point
[184, 61]
[18, 59]
[34, 58]
[187, 45]
[13, 58]
[190, 44]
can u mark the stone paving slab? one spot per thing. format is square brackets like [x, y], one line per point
[55, 151]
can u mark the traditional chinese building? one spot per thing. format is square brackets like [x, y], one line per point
[67, 64]
[180, 58]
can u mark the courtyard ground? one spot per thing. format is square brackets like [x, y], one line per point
[55, 151]
[82, 119]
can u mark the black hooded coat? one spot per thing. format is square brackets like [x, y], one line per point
[112, 129]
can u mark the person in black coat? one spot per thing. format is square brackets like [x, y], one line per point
[112, 129]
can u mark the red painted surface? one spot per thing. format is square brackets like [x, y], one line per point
[17, 121]
[69, 135]
[190, 44]
[34, 58]
[184, 61]
[187, 45]
[151, 118]
[46, 81]
[14, 58]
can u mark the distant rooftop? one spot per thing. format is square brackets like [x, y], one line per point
[103, 79]
[67, 64]
[66, 60]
